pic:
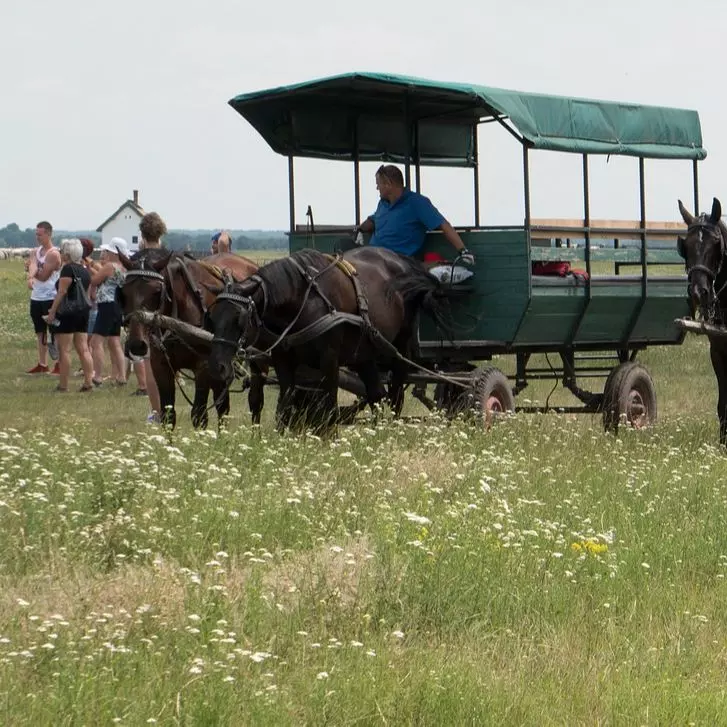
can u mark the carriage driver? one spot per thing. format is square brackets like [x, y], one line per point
[403, 218]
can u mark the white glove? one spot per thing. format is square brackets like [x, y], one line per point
[466, 257]
[359, 238]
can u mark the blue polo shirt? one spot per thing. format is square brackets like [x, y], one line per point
[402, 226]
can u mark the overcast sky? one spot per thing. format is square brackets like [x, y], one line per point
[101, 98]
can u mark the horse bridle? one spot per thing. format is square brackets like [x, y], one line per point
[714, 229]
[242, 303]
[147, 275]
[154, 275]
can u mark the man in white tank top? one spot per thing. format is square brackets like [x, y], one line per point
[43, 272]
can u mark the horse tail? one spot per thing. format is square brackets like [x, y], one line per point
[422, 291]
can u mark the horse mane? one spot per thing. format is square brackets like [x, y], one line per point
[282, 277]
[149, 255]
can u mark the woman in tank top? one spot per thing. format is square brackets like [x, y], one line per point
[106, 278]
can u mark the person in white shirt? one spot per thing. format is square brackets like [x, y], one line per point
[43, 271]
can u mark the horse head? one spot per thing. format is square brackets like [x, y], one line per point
[234, 321]
[703, 250]
[144, 289]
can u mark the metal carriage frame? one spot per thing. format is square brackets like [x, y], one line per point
[359, 117]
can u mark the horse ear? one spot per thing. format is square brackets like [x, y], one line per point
[687, 216]
[680, 247]
[716, 215]
[214, 289]
[160, 263]
[124, 260]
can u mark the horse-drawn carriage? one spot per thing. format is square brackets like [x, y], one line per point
[595, 321]
[512, 309]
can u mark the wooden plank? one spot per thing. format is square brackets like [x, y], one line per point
[606, 229]
[622, 255]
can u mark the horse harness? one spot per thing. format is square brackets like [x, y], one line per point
[325, 323]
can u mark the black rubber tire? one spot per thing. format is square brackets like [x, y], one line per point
[629, 397]
[492, 394]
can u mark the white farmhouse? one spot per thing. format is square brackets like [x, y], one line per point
[124, 223]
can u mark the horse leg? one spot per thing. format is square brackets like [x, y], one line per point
[375, 392]
[256, 395]
[165, 381]
[329, 369]
[286, 381]
[718, 355]
[199, 405]
[221, 392]
[396, 388]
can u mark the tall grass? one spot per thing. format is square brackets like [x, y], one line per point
[413, 572]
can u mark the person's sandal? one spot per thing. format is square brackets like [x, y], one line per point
[96, 382]
[60, 389]
[86, 387]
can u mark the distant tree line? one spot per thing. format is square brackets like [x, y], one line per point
[193, 240]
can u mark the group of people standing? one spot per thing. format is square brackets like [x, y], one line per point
[53, 275]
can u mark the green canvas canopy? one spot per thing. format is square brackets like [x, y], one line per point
[381, 117]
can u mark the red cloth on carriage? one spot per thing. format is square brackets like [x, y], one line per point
[561, 268]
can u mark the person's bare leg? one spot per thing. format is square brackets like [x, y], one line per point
[118, 367]
[80, 341]
[96, 346]
[140, 373]
[151, 388]
[42, 349]
[64, 341]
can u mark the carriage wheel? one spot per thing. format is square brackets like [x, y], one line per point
[629, 397]
[493, 394]
[489, 395]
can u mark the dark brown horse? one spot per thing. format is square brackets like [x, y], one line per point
[178, 286]
[704, 250]
[308, 311]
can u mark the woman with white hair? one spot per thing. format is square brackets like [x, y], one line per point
[71, 329]
[106, 278]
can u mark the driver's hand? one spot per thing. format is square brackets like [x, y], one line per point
[467, 257]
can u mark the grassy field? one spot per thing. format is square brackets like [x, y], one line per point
[540, 573]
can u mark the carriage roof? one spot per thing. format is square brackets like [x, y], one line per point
[366, 116]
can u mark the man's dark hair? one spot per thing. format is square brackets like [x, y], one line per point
[45, 226]
[152, 227]
[391, 174]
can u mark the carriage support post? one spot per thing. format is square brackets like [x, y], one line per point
[356, 175]
[642, 215]
[695, 175]
[417, 161]
[587, 222]
[291, 192]
[476, 170]
[526, 183]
